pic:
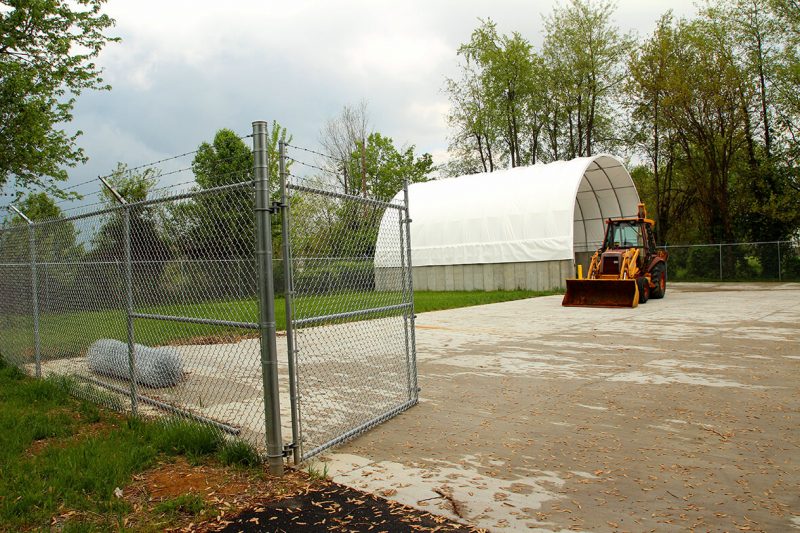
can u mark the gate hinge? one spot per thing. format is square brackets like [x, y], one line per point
[276, 207]
[288, 449]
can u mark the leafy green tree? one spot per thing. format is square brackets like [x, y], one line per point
[226, 160]
[585, 53]
[220, 224]
[703, 101]
[506, 78]
[497, 108]
[660, 180]
[47, 52]
[385, 168]
[149, 247]
[704, 104]
[55, 242]
[38, 206]
[515, 104]
[473, 138]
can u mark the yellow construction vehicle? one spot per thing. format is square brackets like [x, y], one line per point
[626, 271]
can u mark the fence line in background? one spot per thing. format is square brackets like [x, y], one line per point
[738, 261]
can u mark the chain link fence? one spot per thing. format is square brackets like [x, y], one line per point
[353, 337]
[174, 305]
[740, 261]
[744, 261]
[126, 276]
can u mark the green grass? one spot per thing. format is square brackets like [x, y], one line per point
[59, 453]
[440, 300]
[69, 334]
[191, 504]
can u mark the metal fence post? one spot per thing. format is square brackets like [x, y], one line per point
[266, 299]
[37, 348]
[778, 244]
[410, 280]
[126, 223]
[401, 215]
[288, 296]
[720, 261]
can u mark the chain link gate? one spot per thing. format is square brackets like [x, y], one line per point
[350, 298]
[165, 306]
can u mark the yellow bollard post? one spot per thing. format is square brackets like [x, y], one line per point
[580, 271]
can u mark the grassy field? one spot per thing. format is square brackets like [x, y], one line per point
[67, 465]
[68, 334]
[66, 458]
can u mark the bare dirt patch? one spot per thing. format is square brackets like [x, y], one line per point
[248, 500]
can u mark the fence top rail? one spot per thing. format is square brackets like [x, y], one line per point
[343, 196]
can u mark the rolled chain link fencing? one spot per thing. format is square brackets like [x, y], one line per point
[177, 280]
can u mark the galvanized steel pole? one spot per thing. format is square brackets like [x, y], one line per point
[401, 215]
[288, 298]
[129, 309]
[37, 349]
[126, 228]
[266, 299]
[410, 280]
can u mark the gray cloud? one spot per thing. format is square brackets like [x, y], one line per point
[187, 68]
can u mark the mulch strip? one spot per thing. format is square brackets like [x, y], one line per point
[327, 506]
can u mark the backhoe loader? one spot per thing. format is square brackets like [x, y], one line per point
[627, 270]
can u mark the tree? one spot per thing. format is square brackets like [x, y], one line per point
[513, 105]
[224, 161]
[55, 242]
[386, 168]
[340, 136]
[496, 107]
[786, 95]
[221, 224]
[473, 138]
[506, 79]
[660, 181]
[149, 247]
[47, 52]
[585, 52]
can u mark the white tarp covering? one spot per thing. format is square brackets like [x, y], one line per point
[538, 213]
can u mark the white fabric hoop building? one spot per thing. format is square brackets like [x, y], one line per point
[545, 212]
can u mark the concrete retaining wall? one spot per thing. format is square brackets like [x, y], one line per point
[535, 276]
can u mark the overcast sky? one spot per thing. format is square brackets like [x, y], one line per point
[186, 68]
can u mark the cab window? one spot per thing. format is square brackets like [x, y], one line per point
[625, 235]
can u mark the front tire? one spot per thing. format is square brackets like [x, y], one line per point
[659, 277]
[644, 290]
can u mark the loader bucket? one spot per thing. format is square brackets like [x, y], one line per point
[601, 293]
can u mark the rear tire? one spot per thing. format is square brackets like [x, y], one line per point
[659, 277]
[644, 290]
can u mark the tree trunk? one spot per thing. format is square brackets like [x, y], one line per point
[480, 151]
[763, 94]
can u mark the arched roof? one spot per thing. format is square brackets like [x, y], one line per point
[543, 212]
